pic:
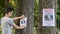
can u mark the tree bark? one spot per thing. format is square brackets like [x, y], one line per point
[46, 4]
[25, 7]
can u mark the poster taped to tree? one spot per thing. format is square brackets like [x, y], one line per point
[23, 22]
[48, 17]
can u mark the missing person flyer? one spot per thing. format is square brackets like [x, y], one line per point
[48, 17]
[23, 22]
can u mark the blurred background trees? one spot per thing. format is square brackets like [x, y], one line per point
[13, 3]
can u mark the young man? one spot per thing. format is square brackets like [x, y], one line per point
[7, 22]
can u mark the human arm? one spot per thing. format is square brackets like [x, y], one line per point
[18, 27]
[20, 17]
[11, 23]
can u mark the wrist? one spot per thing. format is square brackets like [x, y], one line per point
[18, 17]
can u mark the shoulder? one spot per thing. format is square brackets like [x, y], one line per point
[9, 19]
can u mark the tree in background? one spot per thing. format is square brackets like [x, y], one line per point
[46, 4]
[25, 7]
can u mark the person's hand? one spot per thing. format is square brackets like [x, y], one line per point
[22, 27]
[22, 16]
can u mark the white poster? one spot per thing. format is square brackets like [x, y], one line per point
[48, 17]
[23, 22]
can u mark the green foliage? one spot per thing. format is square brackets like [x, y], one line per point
[58, 18]
[36, 13]
[2, 5]
[58, 4]
[58, 14]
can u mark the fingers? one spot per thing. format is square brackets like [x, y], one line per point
[22, 27]
[22, 16]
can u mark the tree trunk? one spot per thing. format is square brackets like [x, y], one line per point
[46, 4]
[25, 7]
